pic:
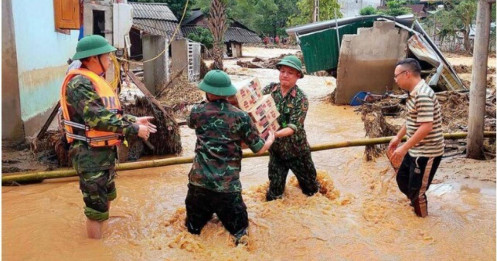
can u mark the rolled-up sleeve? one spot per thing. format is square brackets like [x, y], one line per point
[250, 135]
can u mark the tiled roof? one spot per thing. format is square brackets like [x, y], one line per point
[152, 11]
[194, 14]
[157, 27]
[155, 19]
[241, 35]
[233, 34]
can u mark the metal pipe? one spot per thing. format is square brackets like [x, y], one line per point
[63, 173]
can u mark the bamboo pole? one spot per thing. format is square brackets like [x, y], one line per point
[62, 173]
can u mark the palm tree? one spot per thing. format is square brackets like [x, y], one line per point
[217, 25]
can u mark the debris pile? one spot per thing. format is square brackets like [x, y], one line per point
[269, 63]
[166, 140]
[376, 124]
[180, 95]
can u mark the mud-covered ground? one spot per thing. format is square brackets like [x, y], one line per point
[360, 216]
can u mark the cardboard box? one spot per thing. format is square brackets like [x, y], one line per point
[265, 108]
[274, 126]
[248, 94]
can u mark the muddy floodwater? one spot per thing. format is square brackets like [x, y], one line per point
[359, 214]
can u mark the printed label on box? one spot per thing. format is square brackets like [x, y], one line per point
[248, 94]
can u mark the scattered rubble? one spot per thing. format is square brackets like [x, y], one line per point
[180, 96]
[270, 63]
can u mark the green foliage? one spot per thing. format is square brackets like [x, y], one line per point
[327, 11]
[266, 17]
[396, 7]
[203, 36]
[457, 16]
[176, 6]
[368, 10]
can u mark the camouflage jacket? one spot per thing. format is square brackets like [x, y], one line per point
[86, 107]
[220, 128]
[293, 109]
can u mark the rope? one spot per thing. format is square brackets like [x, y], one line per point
[168, 44]
[117, 72]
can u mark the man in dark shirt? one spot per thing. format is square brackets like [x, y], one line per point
[214, 179]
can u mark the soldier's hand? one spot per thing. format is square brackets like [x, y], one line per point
[270, 137]
[144, 120]
[152, 128]
[143, 132]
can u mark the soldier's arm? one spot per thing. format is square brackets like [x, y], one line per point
[95, 115]
[250, 135]
[129, 118]
[298, 115]
[191, 119]
[267, 89]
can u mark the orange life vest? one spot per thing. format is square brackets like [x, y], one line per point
[111, 102]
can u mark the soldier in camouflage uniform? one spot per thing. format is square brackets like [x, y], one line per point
[95, 165]
[214, 179]
[290, 149]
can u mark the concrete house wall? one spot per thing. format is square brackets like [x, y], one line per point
[41, 55]
[366, 56]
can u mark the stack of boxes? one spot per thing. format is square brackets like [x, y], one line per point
[262, 109]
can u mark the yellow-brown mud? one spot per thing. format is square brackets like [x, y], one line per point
[358, 216]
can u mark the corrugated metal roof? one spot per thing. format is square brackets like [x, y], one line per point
[233, 34]
[318, 26]
[155, 19]
[157, 27]
[156, 11]
[194, 14]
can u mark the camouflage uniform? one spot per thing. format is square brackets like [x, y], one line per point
[291, 152]
[95, 166]
[214, 179]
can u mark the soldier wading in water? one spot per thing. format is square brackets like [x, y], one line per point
[214, 179]
[94, 125]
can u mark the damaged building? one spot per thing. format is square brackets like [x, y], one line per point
[362, 52]
[235, 36]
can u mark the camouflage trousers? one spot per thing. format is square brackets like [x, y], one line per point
[98, 189]
[303, 169]
[229, 207]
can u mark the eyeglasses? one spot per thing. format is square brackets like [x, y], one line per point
[398, 74]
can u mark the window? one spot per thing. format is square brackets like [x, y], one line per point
[67, 15]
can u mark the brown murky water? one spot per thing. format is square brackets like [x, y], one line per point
[359, 217]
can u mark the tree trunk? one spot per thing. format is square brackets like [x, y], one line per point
[217, 25]
[478, 82]
[467, 45]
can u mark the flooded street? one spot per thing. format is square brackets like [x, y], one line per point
[359, 215]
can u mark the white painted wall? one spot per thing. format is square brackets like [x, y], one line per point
[351, 8]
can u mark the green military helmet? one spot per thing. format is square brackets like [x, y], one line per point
[92, 45]
[218, 83]
[293, 62]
